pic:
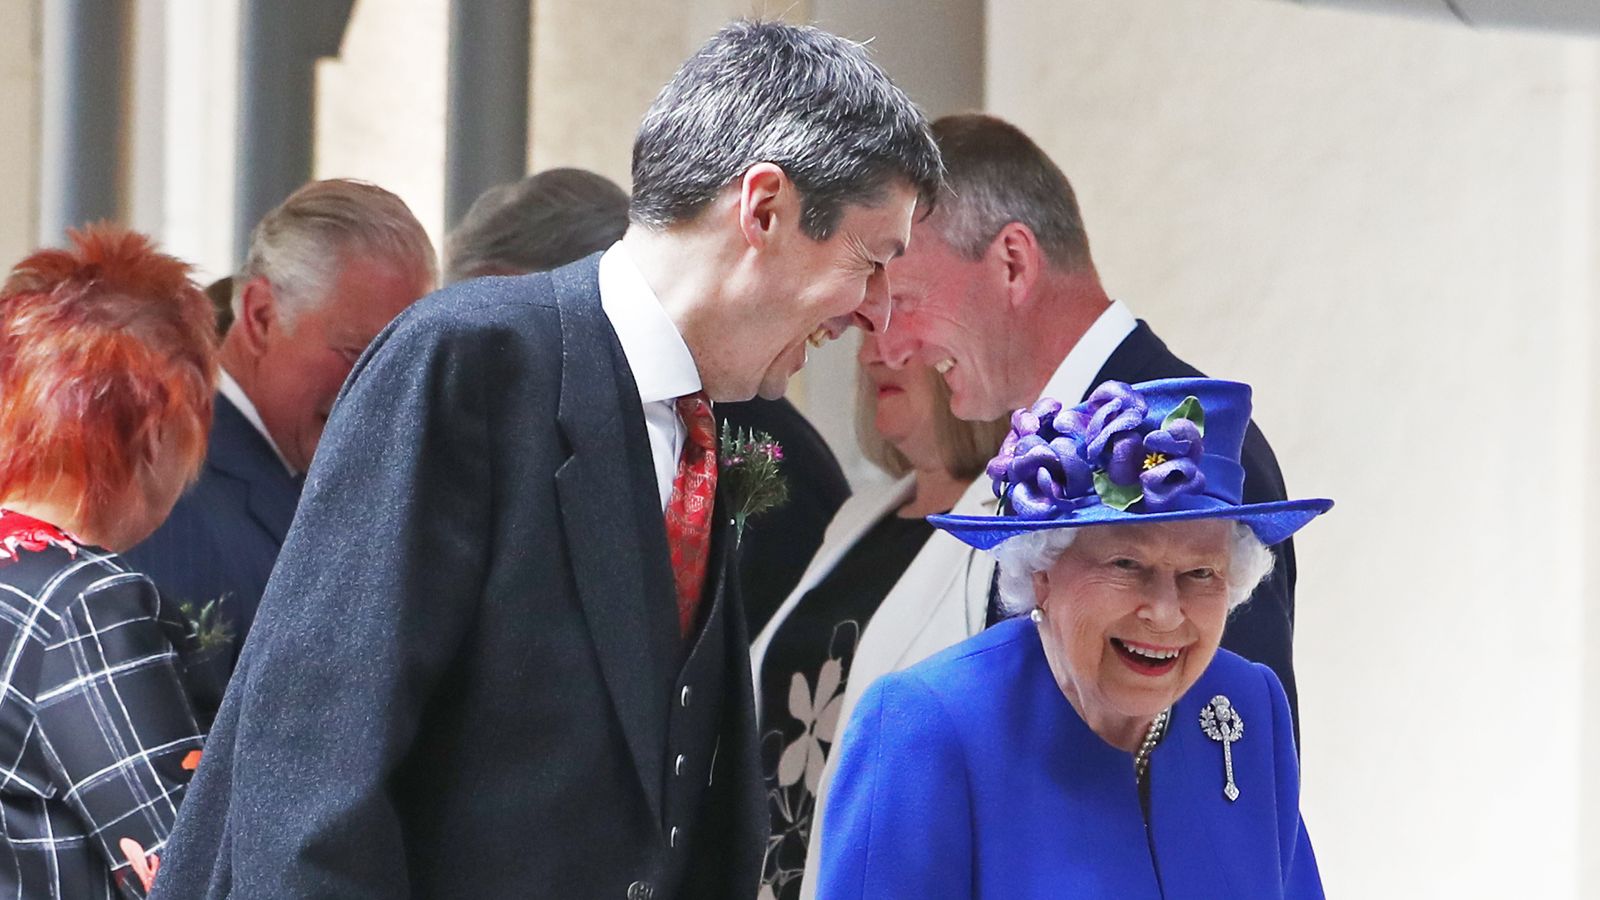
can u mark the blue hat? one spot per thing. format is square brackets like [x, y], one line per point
[1159, 451]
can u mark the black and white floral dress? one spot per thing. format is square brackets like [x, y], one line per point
[803, 677]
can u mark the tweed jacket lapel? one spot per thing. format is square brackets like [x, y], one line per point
[616, 538]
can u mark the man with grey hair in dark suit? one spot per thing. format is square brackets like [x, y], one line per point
[327, 269]
[502, 656]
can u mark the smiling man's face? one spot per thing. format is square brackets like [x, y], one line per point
[835, 283]
[950, 313]
[305, 361]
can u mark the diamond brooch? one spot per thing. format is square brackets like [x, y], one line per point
[1221, 722]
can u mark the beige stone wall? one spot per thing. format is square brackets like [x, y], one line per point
[19, 140]
[381, 104]
[593, 80]
[597, 65]
[1388, 227]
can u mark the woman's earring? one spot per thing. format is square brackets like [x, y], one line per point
[1037, 615]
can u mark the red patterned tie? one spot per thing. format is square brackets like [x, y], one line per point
[689, 510]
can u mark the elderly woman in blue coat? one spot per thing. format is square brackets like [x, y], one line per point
[1101, 745]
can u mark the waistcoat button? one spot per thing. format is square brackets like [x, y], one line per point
[672, 837]
[640, 890]
[683, 698]
[677, 765]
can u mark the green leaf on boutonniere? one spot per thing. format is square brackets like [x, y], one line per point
[1189, 409]
[1116, 496]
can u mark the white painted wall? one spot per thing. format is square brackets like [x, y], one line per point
[1388, 227]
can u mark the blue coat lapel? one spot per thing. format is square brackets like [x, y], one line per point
[239, 451]
[615, 535]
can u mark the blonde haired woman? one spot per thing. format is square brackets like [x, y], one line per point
[846, 622]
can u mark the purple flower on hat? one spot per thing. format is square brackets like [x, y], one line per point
[1171, 465]
[1025, 423]
[1058, 459]
[1125, 461]
[1113, 409]
[1047, 477]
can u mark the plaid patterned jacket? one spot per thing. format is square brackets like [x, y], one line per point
[97, 737]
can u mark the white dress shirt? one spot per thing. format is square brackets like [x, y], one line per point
[663, 369]
[1075, 376]
[241, 402]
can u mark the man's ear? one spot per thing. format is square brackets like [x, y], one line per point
[767, 199]
[1018, 261]
[258, 314]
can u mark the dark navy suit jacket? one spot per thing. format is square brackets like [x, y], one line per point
[970, 776]
[223, 537]
[1261, 630]
[462, 679]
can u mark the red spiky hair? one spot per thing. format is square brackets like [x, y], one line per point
[103, 345]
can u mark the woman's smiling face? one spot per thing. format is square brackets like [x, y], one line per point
[1132, 615]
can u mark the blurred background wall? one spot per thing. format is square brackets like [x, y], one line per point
[1387, 224]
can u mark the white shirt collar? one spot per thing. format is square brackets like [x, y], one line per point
[1075, 376]
[236, 395]
[662, 366]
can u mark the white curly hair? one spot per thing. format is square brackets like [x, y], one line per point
[1019, 558]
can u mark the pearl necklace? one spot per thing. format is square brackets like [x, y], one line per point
[1141, 758]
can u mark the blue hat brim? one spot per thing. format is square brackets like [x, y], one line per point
[1272, 522]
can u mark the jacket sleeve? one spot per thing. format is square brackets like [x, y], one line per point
[116, 723]
[898, 821]
[1301, 880]
[378, 583]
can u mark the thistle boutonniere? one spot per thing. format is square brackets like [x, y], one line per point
[204, 628]
[752, 473]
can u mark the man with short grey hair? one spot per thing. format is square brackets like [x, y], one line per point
[503, 654]
[326, 271]
[999, 293]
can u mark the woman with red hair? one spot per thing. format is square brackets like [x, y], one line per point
[107, 370]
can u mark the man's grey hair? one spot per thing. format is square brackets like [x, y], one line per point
[300, 246]
[1019, 558]
[812, 103]
[996, 175]
[542, 222]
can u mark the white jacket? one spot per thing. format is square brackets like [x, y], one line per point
[941, 600]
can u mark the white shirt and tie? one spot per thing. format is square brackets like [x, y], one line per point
[663, 368]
